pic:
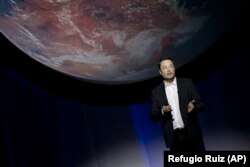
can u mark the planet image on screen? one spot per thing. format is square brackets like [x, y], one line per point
[110, 41]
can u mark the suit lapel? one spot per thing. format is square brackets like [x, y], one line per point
[163, 94]
[181, 93]
[180, 90]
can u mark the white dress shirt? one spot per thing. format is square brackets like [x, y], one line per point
[173, 100]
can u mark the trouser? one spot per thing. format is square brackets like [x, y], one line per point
[183, 142]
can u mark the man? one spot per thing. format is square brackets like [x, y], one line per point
[177, 102]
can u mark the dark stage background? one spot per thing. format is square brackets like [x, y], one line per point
[48, 119]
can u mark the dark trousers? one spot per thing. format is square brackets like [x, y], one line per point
[182, 142]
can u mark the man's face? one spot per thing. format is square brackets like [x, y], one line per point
[167, 69]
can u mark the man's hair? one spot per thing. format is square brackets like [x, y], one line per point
[164, 58]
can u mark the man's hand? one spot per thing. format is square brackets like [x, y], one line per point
[166, 109]
[191, 106]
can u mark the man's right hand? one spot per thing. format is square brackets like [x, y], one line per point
[166, 109]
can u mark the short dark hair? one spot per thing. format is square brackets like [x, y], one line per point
[164, 58]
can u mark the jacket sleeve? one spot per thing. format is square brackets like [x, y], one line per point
[199, 105]
[155, 108]
[157, 103]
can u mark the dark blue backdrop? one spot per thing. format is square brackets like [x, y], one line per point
[49, 119]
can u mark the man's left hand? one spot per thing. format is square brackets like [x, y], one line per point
[191, 106]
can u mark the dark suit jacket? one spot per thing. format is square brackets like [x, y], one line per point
[186, 93]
